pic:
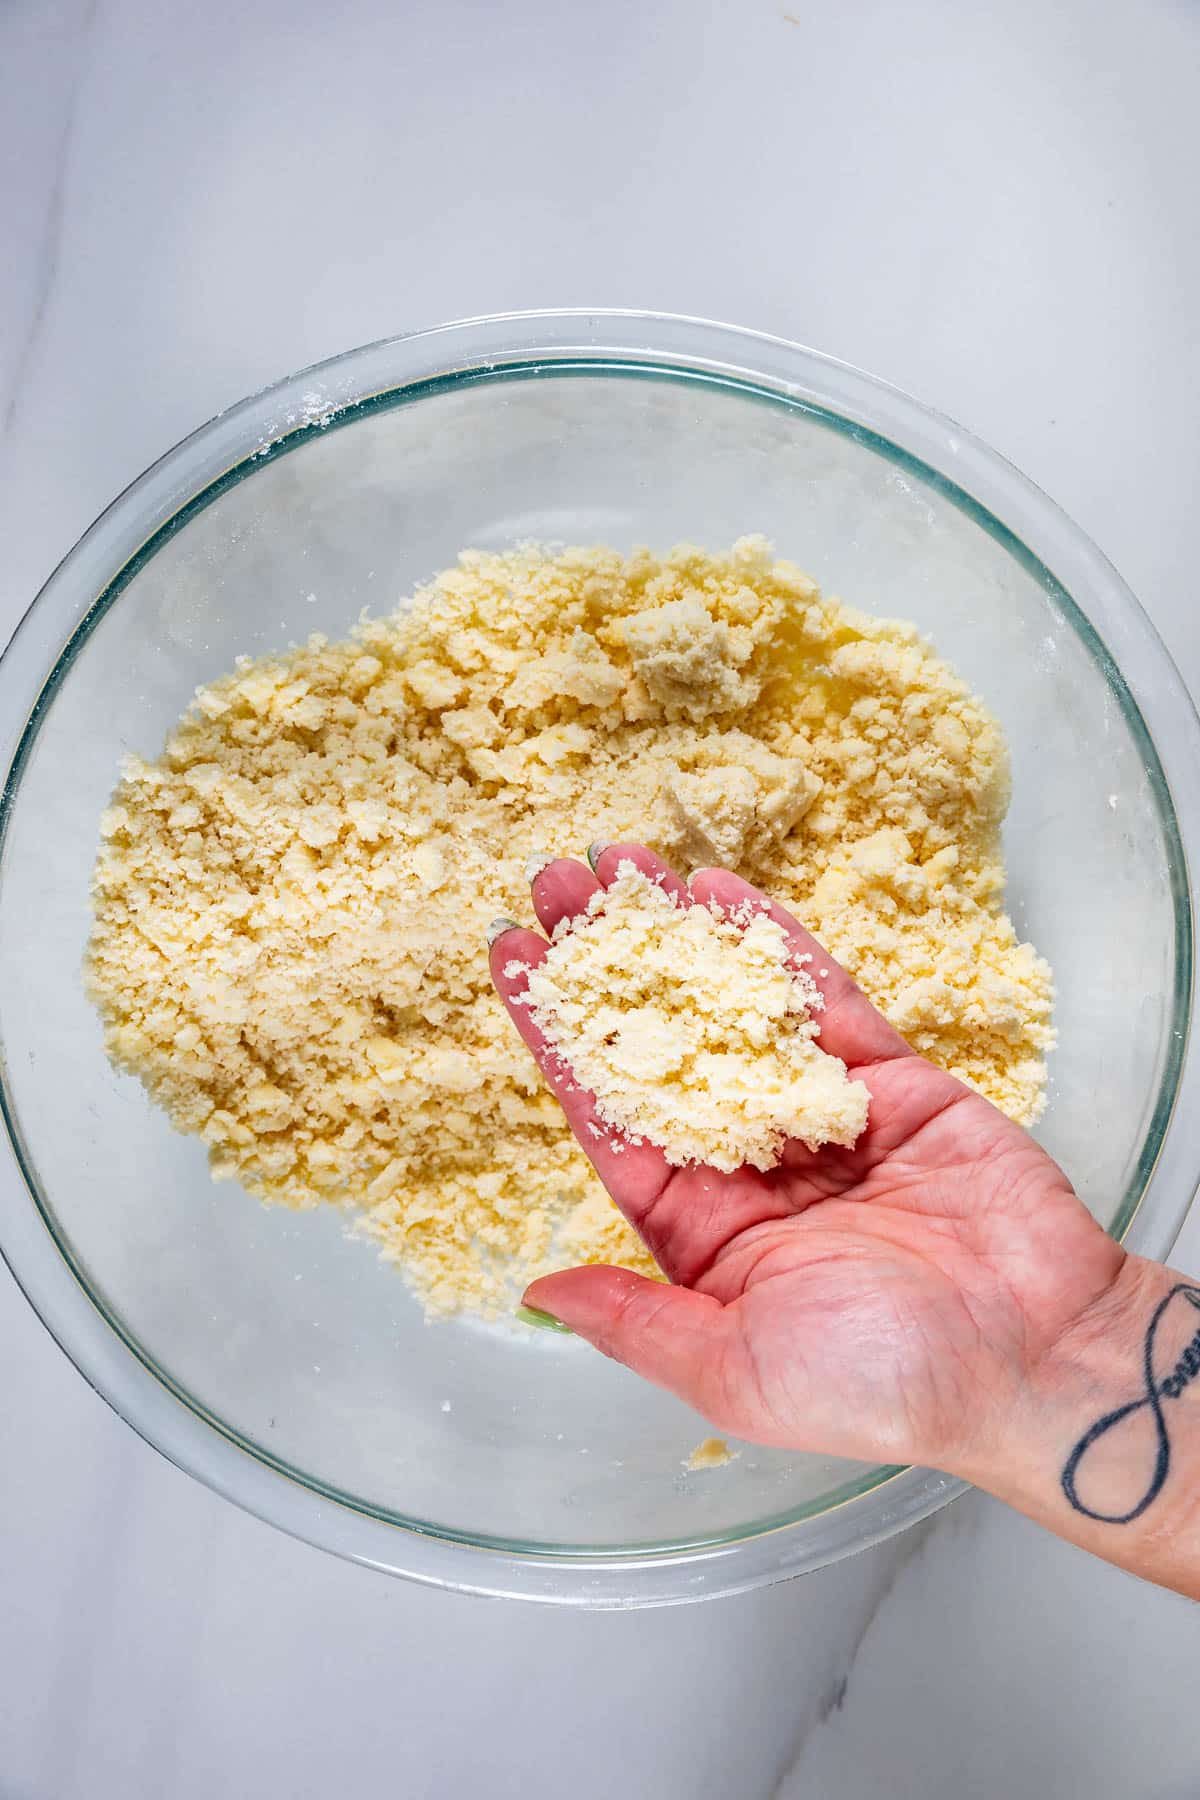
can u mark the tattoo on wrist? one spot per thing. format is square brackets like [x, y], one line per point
[1157, 1389]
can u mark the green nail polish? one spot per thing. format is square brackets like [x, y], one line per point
[533, 1315]
[595, 852]
[497, 929]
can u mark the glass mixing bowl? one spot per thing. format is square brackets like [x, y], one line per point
[270, 1353]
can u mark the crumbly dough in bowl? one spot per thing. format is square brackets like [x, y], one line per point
[291, 901]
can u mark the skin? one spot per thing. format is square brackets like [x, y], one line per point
[937, 1295]
[848, 1301]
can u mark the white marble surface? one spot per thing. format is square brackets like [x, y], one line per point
[994, 207]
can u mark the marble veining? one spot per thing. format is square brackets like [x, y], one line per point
[834, 1699]
[51, 245]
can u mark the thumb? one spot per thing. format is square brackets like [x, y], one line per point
[670, 1335]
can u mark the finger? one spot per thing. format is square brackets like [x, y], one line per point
[608, 860]
[672, 1336]
[634, 1174]
[850, 1027]
[561, 891]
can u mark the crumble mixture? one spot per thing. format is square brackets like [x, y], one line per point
[291, 901]
[711, 1453]
[692, 1028]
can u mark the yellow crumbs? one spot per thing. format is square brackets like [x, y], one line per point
[711, 1453]
[694, 1030]
[291, 902]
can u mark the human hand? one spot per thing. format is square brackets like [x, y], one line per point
[891, 1302]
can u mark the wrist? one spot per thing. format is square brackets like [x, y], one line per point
[1102, 1441]
[1030, 1393]
[1038, 1400]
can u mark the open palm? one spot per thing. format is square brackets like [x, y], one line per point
[875, 1302]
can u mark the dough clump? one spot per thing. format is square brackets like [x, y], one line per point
[291, 900]
[710, 1453]
[694, 1029]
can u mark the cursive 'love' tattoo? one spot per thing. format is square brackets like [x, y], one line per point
[1157, 1390]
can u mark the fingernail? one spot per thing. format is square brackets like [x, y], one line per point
[595, 852]
[497, 929]
[535, 862]
[533, 1315]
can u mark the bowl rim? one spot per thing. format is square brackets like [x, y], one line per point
[496, 348]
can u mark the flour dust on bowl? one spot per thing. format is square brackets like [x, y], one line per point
[270, 1352]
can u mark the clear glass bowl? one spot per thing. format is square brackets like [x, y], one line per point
[267, 1352]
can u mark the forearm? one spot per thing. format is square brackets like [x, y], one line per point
[1102, 1442]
